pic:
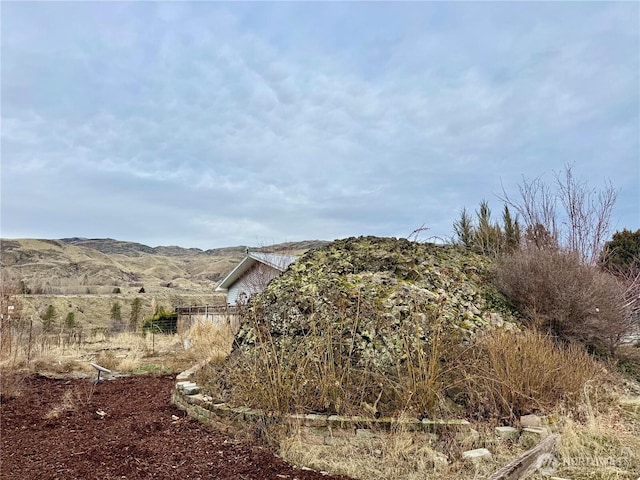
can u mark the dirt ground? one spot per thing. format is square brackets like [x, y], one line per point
[123, 428]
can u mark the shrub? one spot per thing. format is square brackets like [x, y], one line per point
[563, 296]
[70, 320]
[508, 374]
[622, 252]
[164, 321]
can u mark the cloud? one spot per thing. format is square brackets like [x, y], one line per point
[311, 121]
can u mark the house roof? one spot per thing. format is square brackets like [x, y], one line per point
[274, 260]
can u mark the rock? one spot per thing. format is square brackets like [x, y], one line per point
[383, 297]
[630, 404]
[626, 451]
[508, 433]
[532, 436]
[439, 460]
[477, 455]
[467, 325]
[364, 433]
[530, 421]
[188, 388]
[368, 271]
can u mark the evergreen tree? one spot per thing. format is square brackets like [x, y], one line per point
[487, 236]
[116, 312]
[464, 229]
[622, 252]
[136, 307]
[49, 318]
[116, 317]
[70, 320]
[512, 234]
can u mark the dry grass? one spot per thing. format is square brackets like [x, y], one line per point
[202, 341]
[11, 383]
[396, 457]
[506, 374]
[208, 340]
[323, 371]
[123, 352]
[499, 376]
[399, 455]
[603, 445]
[599, 440]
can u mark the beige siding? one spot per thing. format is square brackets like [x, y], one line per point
[253, 281]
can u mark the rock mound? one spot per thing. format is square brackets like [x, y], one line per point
[364, 326]
[378, 297]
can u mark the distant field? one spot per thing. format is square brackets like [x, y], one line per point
[95, 310]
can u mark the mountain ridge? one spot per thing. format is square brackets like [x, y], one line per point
[76, 265]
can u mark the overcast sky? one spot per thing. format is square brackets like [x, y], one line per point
[219, 124]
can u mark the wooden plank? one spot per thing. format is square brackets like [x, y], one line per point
[522, 465]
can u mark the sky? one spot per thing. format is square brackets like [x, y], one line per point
[205, 124]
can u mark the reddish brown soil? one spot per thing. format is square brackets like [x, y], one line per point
[52, 431]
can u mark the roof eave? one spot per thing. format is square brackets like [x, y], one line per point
[234, 274]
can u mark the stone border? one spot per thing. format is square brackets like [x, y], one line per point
[186, 396]
[331, 428]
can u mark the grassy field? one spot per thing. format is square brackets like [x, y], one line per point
[62, 354]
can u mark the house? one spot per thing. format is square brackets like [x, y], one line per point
[252, 275]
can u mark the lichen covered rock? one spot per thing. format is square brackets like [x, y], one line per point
[378, 299]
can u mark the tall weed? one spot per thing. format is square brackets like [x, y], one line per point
[506, 374]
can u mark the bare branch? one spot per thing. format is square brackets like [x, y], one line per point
[582, 225]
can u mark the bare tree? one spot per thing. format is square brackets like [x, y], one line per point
[588, 214]
[576, 216]
[415, 235]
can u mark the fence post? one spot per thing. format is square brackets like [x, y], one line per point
[30, 336]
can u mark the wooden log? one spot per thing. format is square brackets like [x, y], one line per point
[522, 465]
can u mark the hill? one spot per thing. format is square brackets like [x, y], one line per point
[83, 275]
[93, 266]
